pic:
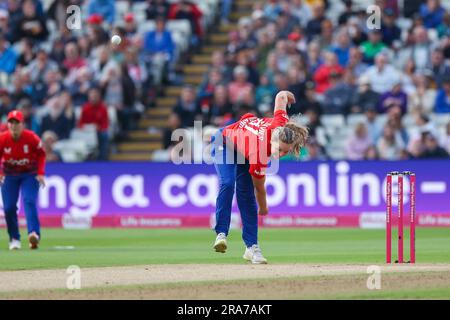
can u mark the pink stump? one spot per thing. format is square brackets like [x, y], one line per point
[388, 218]
[412, 217]
[400, 218]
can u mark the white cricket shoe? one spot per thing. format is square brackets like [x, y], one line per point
[254, 255]
[14, 244]
[221, 243]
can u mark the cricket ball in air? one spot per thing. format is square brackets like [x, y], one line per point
[115, 39]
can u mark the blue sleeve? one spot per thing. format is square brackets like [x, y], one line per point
[110, 13]
[9, 63]
[148, 42]
[170, 45]
[91, 7]
[441, 105]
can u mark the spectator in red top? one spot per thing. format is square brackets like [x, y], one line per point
[95, 112]
[188, 10]
[322, 75]
[73, 61]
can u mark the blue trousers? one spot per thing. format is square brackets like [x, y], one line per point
[29, 186]
[233, 175]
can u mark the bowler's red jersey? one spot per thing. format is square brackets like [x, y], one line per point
[25, 155]
[251, 137]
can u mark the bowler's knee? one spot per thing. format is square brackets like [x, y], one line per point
[227, 184]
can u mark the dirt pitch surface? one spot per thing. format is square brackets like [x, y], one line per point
[277, 281]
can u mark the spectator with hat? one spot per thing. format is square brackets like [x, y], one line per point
[96, 33]
[130, 26]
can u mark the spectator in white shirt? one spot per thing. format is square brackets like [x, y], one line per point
[382, 75]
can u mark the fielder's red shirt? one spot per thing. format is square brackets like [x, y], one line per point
[25, 155]
[251, 137]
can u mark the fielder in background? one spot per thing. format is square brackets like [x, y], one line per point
[22, 168]
[241, 154]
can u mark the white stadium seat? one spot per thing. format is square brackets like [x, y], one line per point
[354, 119]
[408, 120]
[332, 120]
[440, 119]
[72, 150]
[88, 134]
[381, 120]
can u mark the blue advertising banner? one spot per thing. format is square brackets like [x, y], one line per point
[344, 188]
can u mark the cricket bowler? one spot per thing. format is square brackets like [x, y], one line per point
[254, 140]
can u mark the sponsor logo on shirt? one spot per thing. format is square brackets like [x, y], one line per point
[21, 162]
[7, 150]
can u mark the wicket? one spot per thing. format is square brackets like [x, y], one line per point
[412, 215]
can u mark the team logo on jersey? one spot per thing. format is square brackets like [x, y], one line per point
[7, 150]
[261, 172]
[25, 148]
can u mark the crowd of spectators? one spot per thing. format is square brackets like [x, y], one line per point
[65, 78]
[394, 77]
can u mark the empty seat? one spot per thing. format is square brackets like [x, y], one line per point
[72, 150]
[335, 153]
[122, 8]
[408, 120]
[146, 26]
[332, 120]
[440, 119]
[180, 25]
[88, 134]
[354, 119]
[381, 120]
[139, 7]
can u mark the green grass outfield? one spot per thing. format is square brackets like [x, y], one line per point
[120, 247]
